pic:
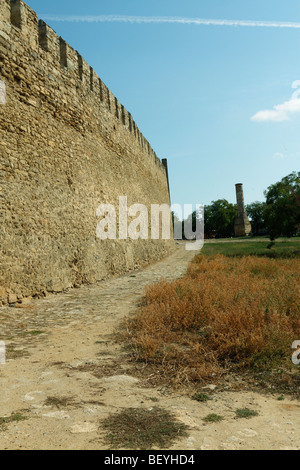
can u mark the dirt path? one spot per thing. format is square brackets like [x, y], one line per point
[65, 373]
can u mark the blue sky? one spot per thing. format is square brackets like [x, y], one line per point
[203, 95]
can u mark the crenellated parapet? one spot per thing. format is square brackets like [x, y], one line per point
[67, 146]
[19, 22]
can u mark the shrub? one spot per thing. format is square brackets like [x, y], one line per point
[226, 313]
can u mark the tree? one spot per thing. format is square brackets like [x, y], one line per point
[282, 211]
[193, 223]
[177, 226]
[219, 218]
[255, 212]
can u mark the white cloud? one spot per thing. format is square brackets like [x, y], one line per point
[281, 112]
[169, 20]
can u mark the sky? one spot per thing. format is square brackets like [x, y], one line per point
[220, 99]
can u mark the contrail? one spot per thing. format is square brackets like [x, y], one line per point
[169, 20]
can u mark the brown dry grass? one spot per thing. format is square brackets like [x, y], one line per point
[225, 314]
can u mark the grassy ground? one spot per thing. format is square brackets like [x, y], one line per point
[236, 310]
[142, 429]
[283, 248]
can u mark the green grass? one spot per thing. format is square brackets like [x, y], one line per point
[12, 353]
[253, 247]
[14, 418]
[201, 397]
[245, 413]
[25, 334]
[140, 429]
[213, 418]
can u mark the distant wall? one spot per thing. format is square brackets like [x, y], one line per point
[66, 146]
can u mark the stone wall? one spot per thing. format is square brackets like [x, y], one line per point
[66, 146]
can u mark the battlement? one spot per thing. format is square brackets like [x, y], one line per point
[67, 145]
[20, 23]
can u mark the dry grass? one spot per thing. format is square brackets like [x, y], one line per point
[225, 314]
[60, 402]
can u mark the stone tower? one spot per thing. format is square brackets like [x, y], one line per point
[242, 225]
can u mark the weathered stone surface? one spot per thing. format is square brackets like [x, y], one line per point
[66, 146]
[2, 92]
[242, 225]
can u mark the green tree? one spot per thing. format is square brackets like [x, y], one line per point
[282, 211]
[191, 224]
[255, 213]
[219, 218]
[177, 226]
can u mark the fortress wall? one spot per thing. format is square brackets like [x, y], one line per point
[66, 146]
